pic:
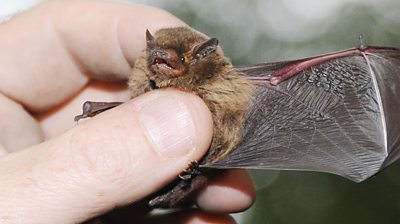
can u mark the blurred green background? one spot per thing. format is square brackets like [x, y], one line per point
[261, 31]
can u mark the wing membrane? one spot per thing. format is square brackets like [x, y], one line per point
[339, 114]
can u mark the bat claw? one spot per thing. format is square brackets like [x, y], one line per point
[191, 171]
[185, 177]
[79, 117]
[361, 44]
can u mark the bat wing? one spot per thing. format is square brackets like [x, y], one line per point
[336, 113]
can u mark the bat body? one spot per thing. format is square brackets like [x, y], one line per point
[336, 113]
[188, 60]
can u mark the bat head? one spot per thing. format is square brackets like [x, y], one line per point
[181, 57]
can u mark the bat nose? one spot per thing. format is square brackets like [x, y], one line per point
[159, 54]
[168, 55]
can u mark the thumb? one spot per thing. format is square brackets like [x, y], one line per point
[115, 158]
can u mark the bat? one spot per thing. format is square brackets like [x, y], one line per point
[337, 113]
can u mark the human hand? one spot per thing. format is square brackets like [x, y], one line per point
[52, 59]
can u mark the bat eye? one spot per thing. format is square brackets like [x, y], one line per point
[182, 59]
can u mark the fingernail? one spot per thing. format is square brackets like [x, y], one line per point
[168, 122]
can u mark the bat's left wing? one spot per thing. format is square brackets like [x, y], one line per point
[336, 113]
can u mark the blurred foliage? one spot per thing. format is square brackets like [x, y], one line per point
[260, 31]
[307, 197]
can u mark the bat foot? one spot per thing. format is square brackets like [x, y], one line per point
[190, 180]
[173, 197]
[177, 194]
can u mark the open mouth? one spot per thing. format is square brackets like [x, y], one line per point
[162, 64]
[165, 65]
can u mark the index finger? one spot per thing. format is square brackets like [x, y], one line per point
[50, 52]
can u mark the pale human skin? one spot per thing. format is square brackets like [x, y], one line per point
[53, 58]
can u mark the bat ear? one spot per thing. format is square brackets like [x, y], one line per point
[205, 48]
[149, 39]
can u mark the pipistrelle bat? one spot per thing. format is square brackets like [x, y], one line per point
[336, 113]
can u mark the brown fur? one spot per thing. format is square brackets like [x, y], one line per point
[213, 78]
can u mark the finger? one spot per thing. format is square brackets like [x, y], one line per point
[61, 118]
[118, 157]
[128, 215]
[3, 151]
[189, 217]
[18, 129]
[233, 192]
[50, 52]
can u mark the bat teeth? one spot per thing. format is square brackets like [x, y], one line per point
[163, 63]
